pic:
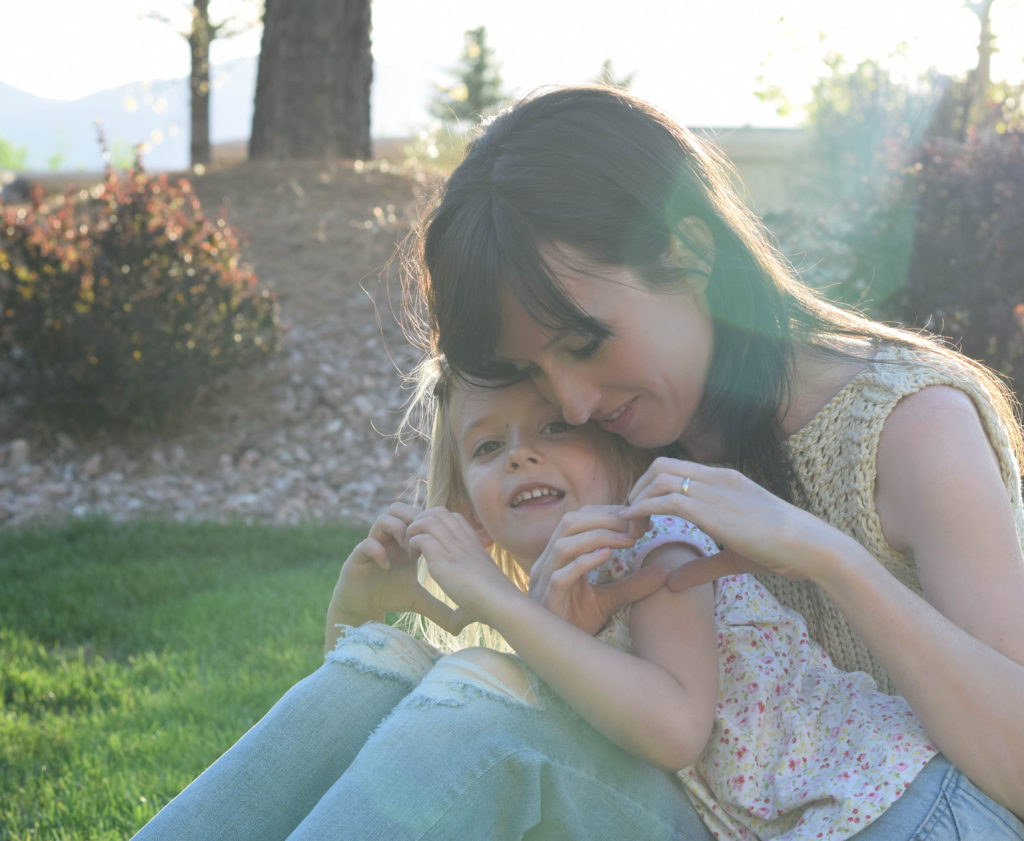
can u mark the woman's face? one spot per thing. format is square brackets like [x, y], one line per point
[644, 382]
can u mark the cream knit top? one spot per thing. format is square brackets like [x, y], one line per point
[834, 457]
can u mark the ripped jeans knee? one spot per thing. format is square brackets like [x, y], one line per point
[385, 651]
[474, 672]
[435, 679]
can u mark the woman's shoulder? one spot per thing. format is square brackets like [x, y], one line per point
[867, 386]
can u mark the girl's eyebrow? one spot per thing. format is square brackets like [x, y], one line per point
[475, 424]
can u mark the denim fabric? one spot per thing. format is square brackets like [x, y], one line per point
[492, 769]
[461, 756]
[274, 775]
[943, 805]
[385, 741]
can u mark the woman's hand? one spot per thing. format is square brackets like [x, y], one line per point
[380, 577]
[583, 541]
[459, 562]
[762, 533]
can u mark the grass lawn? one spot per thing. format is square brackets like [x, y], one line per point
[132, 655]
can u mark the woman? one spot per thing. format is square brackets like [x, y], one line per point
[872, 475]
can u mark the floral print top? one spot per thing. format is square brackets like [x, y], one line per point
[799, 749]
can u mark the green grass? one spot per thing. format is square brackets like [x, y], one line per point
[132, 655]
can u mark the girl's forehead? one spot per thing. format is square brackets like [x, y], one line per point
[473, 406]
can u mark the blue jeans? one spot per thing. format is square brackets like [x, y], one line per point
[943, 804]
[386, 741]
[381, 742]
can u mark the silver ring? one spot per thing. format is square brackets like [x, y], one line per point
[685, 489]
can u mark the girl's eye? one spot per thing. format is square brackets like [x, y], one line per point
[587, 350]
[486, 448]
[558, 426]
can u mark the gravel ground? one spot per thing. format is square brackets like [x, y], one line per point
[307, 436]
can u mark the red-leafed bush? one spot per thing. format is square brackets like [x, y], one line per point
[966, 276]
[117, 303]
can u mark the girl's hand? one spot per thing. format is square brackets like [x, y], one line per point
[583, 541]
[762, 533]
[380, 577]
[459, 562]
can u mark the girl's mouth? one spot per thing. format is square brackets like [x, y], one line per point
[536, 493]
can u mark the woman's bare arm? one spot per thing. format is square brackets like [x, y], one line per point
[956, 655]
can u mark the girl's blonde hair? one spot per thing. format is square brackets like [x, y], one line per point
[430, 413]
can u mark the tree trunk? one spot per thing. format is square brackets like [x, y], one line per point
[979, 80]
[313, 81]
[199, 38]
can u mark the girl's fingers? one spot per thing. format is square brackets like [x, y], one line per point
[370, 551]
[459, 620]
[568, 575]
[591, 518]
[434, 609]
[440, 528]
[568, 550]
[388, 529]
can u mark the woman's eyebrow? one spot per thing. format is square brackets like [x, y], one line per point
[558, 335]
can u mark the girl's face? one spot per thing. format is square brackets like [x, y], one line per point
[644, 382]
[523, 466]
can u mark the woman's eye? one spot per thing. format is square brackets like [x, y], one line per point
[587, 350]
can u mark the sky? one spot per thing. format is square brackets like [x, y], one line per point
[700, 60]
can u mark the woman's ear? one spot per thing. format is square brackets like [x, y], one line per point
[693, 248]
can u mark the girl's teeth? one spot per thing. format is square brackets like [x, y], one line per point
[534, 494]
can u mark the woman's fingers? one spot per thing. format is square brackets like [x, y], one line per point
[634, 587]
[666, 476]
[705, 569]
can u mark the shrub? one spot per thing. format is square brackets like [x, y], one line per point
[966, 276]
[116, 304]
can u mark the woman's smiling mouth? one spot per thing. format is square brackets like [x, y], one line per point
[610, 421]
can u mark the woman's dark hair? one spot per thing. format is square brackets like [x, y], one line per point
[613, 178]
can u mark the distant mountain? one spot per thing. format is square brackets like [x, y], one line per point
[62, 133]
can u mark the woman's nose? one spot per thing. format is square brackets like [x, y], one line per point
[574, 396]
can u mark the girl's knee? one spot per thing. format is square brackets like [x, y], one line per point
[479, 671]
[384, 650]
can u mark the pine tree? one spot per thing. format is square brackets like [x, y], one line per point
[477, 83]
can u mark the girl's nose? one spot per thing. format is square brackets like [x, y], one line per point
[522, 452]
